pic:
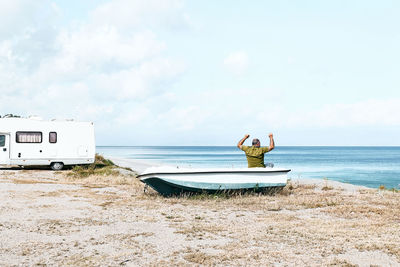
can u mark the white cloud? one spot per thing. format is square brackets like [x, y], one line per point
[114, 69]
[95, 69]
[149, 78]
[187, 118]
[18, 16]
[216, 112]
[136, 115]
[371, 112]
[367, 113]
[134, 14]
[237, 62]
[104, 49]
[230, 112]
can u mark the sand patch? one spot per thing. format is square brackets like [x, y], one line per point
[47, 218]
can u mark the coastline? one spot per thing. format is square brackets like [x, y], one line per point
[372, 167]
[136, 165]
[50, 218]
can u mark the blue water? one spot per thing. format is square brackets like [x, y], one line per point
[368, 166]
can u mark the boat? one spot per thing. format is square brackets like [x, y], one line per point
[169, 181]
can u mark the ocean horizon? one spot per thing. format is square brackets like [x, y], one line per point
[371, 166]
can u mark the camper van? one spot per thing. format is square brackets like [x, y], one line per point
[33, 141]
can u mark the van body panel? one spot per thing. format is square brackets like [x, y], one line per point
[74, 142]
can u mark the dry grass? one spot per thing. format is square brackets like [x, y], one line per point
[28, 181]
[198, 257]
[299, 219]
[100, 167]
[103, 181]
[121, 225]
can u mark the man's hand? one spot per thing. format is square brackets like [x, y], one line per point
[271, 135]
[247, 136]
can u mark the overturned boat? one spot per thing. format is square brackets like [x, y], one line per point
[175, 181]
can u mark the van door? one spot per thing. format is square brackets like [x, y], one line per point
[4, 148]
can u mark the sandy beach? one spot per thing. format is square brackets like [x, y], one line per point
[51, 218]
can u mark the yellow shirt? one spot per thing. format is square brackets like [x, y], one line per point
[255, 155]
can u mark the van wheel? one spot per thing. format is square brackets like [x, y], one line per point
[56, 166]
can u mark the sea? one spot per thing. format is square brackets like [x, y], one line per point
[368, 166]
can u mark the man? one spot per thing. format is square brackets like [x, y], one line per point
[255, 153]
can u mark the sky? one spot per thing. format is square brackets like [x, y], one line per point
[175, 72]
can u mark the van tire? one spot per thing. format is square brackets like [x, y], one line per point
[56, 166]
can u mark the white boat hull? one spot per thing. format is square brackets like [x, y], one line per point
[171, 181]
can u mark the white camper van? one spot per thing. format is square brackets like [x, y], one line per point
[32, 141]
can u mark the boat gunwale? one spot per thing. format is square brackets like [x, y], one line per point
[211, 172]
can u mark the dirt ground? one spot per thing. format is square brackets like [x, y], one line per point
[48, 218]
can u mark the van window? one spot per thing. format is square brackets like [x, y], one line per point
[29, 137]
[2, 140]
[53, 137]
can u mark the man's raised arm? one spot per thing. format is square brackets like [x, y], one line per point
[271, 142]
[239, 145]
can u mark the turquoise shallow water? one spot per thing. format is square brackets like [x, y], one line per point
[368, 166]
